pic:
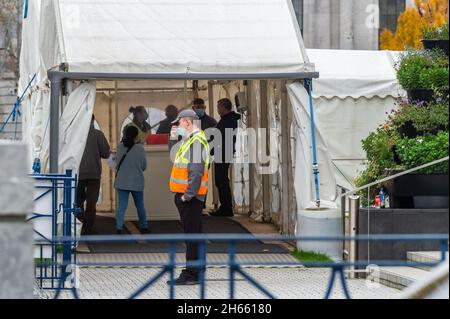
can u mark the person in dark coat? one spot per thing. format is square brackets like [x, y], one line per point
[89, 177]
[199, 107]
[228, 120]
[165, 125]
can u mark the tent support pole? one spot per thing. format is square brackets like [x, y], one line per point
[285, 158]
[308, 84]
[54, 123]
[180, 76]
[214, 192]
[264, 124]
[251, 112]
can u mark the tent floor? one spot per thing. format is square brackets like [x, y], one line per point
[211, 225]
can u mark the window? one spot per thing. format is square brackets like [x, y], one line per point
[298, 7]
[390, 10]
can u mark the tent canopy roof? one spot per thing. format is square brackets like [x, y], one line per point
[356, 74]
[177, 36]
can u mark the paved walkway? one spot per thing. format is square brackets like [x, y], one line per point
[286, 283]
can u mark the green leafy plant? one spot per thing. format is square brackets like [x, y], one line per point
[378, 146]
[425, 149]
[435, 33]
[424, 117]
[424, 70]
[380, 157]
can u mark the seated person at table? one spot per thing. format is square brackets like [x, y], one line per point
[166, 125]
[140, 117]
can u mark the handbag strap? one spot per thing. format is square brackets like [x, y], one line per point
[123, 158]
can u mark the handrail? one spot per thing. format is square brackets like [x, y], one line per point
[412, 170]
[245, 237]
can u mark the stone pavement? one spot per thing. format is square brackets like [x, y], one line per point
[286, 283]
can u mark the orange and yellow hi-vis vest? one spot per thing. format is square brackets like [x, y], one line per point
[179, 178]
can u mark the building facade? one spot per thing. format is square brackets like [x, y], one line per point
[347, 24]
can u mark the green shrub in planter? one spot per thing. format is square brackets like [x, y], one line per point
[435, 33]
[424, 70]
[425, 118]
[380, 156]
[424, 149]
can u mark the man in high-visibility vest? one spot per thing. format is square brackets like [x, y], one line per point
[189, 183]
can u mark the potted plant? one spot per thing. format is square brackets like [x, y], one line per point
[390, 150]
[418, 119]
[436, 38]
[379, 147]
[428, 188]
[424, 75]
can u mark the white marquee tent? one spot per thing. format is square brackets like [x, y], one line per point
[352, 97]
[68, 41]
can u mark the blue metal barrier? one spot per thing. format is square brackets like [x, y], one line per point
[48, 272]
[337, 268]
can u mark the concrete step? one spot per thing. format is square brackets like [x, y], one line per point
[424, 257]
[397, 277]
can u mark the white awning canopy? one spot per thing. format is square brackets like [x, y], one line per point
[173, 36]
[355, 73]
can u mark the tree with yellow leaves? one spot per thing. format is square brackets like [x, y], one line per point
[425, 14]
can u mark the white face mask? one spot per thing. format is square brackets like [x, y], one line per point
[181, 131]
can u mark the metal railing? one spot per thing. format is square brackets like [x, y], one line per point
[354, 205]
[338, 268]
[60, 189]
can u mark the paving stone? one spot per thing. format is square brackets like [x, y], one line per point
[283, 283]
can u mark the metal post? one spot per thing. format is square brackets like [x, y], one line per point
[215, 195]
[54, 124]
[264, 124]
[308, 84]
[250, 124]
[343, 207]
[354, 216]
[67, 226]
[285, 162]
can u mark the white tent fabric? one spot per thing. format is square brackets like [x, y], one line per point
[303, 176]
[352, 97]
[355, 73]
[74, 126]
[174, 36]
[152, 36]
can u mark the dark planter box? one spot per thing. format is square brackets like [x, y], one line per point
[427, 95]
[436, 44]
[419, 191]
[399, 221]
[419, 95]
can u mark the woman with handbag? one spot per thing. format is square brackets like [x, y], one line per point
[131, 164]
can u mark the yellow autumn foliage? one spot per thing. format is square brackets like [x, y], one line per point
[426, 13]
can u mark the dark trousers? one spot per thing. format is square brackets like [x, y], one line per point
[88, 191]
[223, 186]
[191, 219]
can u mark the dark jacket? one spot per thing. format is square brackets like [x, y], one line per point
[228, 121]
[165, 126]
[208, 122]
[97, 147]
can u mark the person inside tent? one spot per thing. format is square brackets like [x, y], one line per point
[89, 177]
[228, 121]
[166, 125]
[130, 166]
[140, 117]
[199, 107]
